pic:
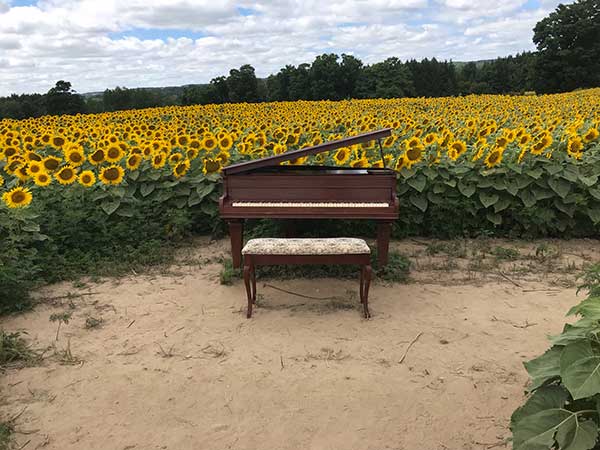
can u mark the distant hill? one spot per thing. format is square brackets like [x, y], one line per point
[176, 91]
[167, 91]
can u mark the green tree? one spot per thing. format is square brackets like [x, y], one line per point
[350, 70]
[388, 79]
[219, 90]
[62, 99]
[300, 87]
[242, 84]
[325, 77]
[568, 42]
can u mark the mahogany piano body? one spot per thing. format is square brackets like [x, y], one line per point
[263, 189]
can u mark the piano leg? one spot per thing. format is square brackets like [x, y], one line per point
[384, 231]
[236, 235]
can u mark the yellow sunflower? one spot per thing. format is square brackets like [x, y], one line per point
[430, 139]
[413, 155]
[591, 135]
[209, 142]
[66, 175]
[32, 156]
[181, 168]
[192, 153]
[342, 156]
[35, 167]
[51, 163]
[459, 147]
[18, 197]
[22, 174]
[400, 163]
[494, 157]
[133, 161]
[175, 158]
[87, 178]
[574, 146]
[97, 157]
[183, 140]
[112, 175]
[542, 142]
[74, 156]
[211, 165]
[158, 160]
[42, 179]
[114, 153]
[58, 141]
[361, 162]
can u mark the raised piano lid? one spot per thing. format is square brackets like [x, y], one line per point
[294, 154]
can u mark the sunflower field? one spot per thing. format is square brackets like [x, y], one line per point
[78, 188]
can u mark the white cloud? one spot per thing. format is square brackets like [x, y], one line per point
[100, 44]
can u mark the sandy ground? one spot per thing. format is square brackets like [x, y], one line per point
[176, 365]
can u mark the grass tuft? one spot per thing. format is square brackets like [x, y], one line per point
[7, 430]
[14, 350]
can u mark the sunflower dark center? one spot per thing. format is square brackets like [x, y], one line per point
[111, 174]
[413, 154]
[66, 174]
[98, 155]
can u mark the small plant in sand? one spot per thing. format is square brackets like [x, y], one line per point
[7, 430]
[14, 349]
[65, 356]
[61, 318]
[92, 322]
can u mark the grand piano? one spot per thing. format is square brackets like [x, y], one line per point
[263, 188]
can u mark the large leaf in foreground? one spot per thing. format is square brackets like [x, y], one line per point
[542, 422]
[535, 423]
[581, 436]
[580, 369]
[544, 367]
[589, 308]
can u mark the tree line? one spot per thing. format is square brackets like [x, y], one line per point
[567, 58]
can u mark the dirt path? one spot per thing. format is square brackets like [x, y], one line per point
[176, 365]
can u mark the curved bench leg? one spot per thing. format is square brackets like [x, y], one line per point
[253, 277]
[365, 294]
[248, 290]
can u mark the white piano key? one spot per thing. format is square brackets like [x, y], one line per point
[310, 205]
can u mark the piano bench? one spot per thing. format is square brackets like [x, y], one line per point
[283, 251]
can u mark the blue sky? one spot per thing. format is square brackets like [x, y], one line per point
[99, 44]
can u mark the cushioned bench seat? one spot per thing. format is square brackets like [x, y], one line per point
[306, 246]
[270, 251]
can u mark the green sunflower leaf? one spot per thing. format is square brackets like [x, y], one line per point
[418, 183]
[560, 186]
[588, 181]
[205, 189]
[496, 219]
[466, 189]
[581, 372]
[545, 367]
[419, 201]
[110, 206]
[594, 214]
[502, 204]
[146, 189]
[488, 199]
[528, 198]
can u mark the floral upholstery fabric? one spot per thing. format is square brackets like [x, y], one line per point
[306, 246]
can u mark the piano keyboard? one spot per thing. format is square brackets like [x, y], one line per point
[310, 205]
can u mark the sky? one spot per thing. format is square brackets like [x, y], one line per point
[99, 44]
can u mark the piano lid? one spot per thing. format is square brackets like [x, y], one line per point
[294, 154]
